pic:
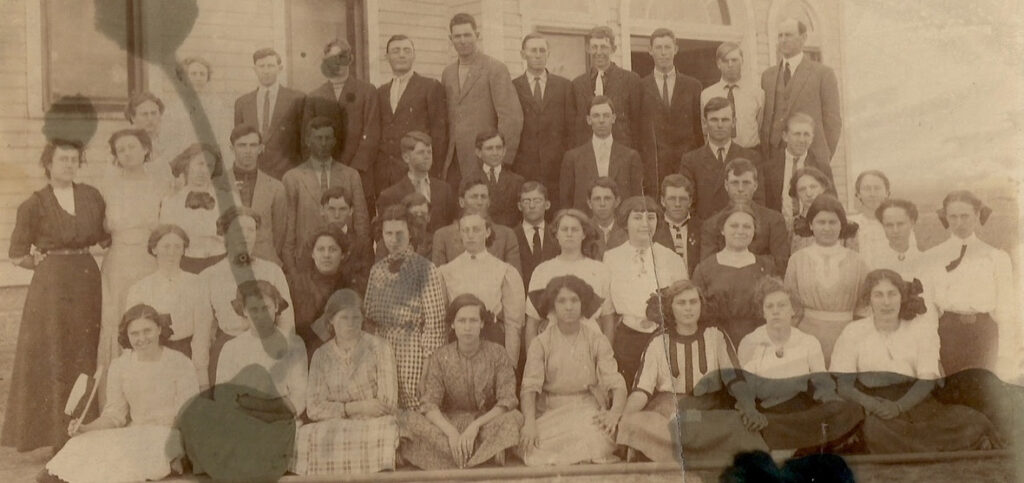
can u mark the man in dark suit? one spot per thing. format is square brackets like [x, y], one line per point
[601, 155]
[771, 238]
[679, 231]
[609, 80]
[351, 105]
[480, 96]
[798, 136]
[503, 185]
[474, 197]
[705, 166]
[276, 111]
[263, 193]
[409, 102]
[603, 200]
[671, 104]
[799, 84]
[549, 111]
[536, 243]
[417, 152]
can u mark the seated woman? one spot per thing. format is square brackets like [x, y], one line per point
[468, 398]
[247, 432]
[689, 378]
[727, 279]
[779, 361]
[475, 271]
[352, 397]
[179, 294]
[570, 371]
[135, 438]
[888, 363]
[323, 273]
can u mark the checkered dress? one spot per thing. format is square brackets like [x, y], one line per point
[408, 308]
[337, 445]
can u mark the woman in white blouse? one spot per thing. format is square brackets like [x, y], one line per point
[871, 188]
[785, 370]
[197, 205]
[498, 284]
[888, 363]
[135, 438]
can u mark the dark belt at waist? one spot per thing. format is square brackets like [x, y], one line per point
[966, 318]
[68, 251]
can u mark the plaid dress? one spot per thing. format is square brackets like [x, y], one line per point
[405, 299]
[333, 444]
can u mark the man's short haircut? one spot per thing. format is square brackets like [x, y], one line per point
[486, 135]
[412, 138]
[799, 118]
[533, 186]
[739, 166]
[462, 18]
[243, 130]
[605, 182]
[533, 35]
[907, 206]
[801, 27]
[265, 52]
[601, 32]
[139, 98]
[470, 181]
[396, 38]
[340, 43]
[662, 32]
[335, 192]
[725, 48]
[598, 100]
[318, 122]
[676, 180]
[716, 104]
[636, 204]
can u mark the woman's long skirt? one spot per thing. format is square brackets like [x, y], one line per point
[426, 446]
[566, 432]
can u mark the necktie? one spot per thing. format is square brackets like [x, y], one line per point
[538, 95]
[732, 103]
[664, 91]
[721, 155]
[536, 240]
[786, 75]
[323, 177]
[956, 263]
[599, 84]
[266, 114]
[677, 237]
[491, 178]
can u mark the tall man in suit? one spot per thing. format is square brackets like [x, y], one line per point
[601, 155]
[418, 155]
[306, 183]
[409, 102]
[679, 231]
[536, 243]
[705, 166]
[474, 197]
[351, 106]
[480, 96]
[799, 84]
[747, 98]
[549, 111]
[255, 189]
[276, 111]
[778, 171]
[771, 237]
[609, 80]
[504, 185]
[671, 104]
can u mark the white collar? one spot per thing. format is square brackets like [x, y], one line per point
[272, 89]
[543, 77]
[487, 168]
[725, 84]
[661, 75]
[596, 141]
[957, 241]
[792, 156]
[528, 227]
[404, 77]
[794, 62]
[714, 147]
[414, 179]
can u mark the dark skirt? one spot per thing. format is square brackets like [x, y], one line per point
[967, 342]
[927, 427]
[803, 422]
[57, 341]
[629, 347]
[196, 265]
[182, 345]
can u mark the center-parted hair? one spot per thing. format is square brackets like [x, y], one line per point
[143, 311]
[828, 203]
[907, 206]
[826, 185]
[590, 247]
[180, 163]
[161, 231]
[771, 284]
[659, 304]
[257, 288]
[399, 213]
[462, 301]
[911, 303]
[139, 134]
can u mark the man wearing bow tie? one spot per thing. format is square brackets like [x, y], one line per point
[679, 231]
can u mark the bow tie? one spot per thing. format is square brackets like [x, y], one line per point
[679, 226]
[199, 199]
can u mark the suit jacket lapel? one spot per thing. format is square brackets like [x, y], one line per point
[591, 164]
[311, 179]
[796, 83]
[251, 111]
[406, 94]
[614, 161]
[715, 167]
[259, 191]
[471, 77]
[675, 89]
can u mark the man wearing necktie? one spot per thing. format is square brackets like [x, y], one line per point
[747, 99]
[504, 185]
[778, 172]
[276, 111]
[799, 84]
[549, 111]
[600, 156]
[671, 107]
[418, 155]
[409, 102]
[606, 79]
[679, 231]
[536, 244]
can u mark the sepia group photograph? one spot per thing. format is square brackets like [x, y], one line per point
[511, 240]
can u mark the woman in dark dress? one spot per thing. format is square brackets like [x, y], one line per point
[60, 324]
[322, 273]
